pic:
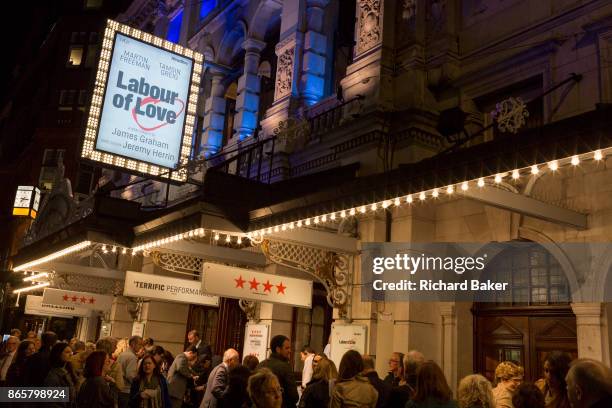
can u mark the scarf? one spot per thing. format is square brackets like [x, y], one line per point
[153, 388]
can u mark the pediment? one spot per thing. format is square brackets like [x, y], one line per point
[503, 328]
[556, 328]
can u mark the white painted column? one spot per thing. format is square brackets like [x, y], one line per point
[214, 117]
[247, 102]
[590, 331]
[449, 343]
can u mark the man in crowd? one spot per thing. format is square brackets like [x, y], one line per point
[204, 350]
[16, 333]
[38, 365]
[278, 363]
[384, 389]
[180, 375]
[7, 357]
[307, 354]
[217, 384]
[395, 369]
[589, 384]
[128, 360]
[412, 362]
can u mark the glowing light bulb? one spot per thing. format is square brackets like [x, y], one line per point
[553, 165]
[307, 222]
[114, 249]
[239, 241]
[291, 225]
[352, 211]
[397, 202]
[575, 161]
[598, 155]
[464, 186]
[228, 239]
[450, 190]
[316, 219]
[409, 198]
[373, 207]
[422, 196]
[284, 227]
[276, 229]
[435, 193]
[362, 209]
[342, 214]
[332, 216]
[515, 174]
[324, 218]
[124, 251]
[386, 204]
[535, 169]
[216, 236]
[299, 224]
[498, 178]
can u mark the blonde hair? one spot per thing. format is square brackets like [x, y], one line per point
[475, 391]
[507, 370]
[122, 345]
[256, 383]
[323, 370]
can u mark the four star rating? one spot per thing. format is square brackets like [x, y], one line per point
[254, 285]
[76, 299]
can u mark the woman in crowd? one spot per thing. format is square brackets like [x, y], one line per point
[62, 373]
[237, 395]
[553, 386]
[527, 395]
[265, 390]
[122, 345]
[149, 388]
[432, 390]
[508, 376]
[15, 376]
[167, 361]
[99, 389]
[108, 345]
[352, 389]
[250, 362]
[475, 391]
[317, 393]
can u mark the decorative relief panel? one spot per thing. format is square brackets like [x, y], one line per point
[284, 73]
[370, 24]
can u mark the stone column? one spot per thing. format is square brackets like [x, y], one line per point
[312, 81]
[247, 102]
[214, 117]
[590, 331]
[449, 343]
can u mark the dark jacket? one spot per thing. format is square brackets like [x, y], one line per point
[392, 379]
[37, 368]
[399, 396]
[605, 402]
[16, 374]
[59, 377]
[281, 368]
[135, 398]
[431, 403]
[97, 393]
[316, 394]
[384, 389]
[237, 395]
[216, 387]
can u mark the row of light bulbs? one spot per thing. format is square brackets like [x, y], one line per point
[515, 174]
[230, 237]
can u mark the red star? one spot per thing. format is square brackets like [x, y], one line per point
[254, 284]
[65, 297]
[92, 300]
[83, 300]
[74, 299]
[280, 288]
[268, 286]
[240, 282]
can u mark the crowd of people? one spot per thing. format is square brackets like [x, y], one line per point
[137, 373]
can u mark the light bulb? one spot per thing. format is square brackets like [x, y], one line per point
[553, 165]
[535, 169]
[342, 214]
[422, 196]
[307, 221]
[276, 229]
[316, 219]
[291, 225]
[515, 174]
[575, 160]
[239, 241]
[409, 198]
[352, 211]
[324, 218]
[464, 186]
[435, 193]
[386, 204]
[450, 190]
[284, 227]
[362, 209]
[397, 202]
[216, 236]
[598, 156]
[373, 207]
[332, 216]
[227, 238]
[299, 224]
[498, 178]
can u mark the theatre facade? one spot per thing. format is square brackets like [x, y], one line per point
[322, 126]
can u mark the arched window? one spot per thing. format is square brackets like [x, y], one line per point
[534, 276]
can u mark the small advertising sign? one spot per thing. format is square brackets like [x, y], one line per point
[34, 305]
[150, 286]
[345, 337]
[138, 329]
[256, 341]
[241, 283]
[86, 300]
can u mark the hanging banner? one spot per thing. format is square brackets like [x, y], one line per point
[345, 337]
[34, 305]
[92, 301]
[256, 341]
[150, 286]
[241, 283]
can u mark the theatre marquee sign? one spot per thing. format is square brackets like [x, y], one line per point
[142, 112]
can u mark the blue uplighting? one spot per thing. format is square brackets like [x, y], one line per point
[174, 30]
[206, 7]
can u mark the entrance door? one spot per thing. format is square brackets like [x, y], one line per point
[534, 319]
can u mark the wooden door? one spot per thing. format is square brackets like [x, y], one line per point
[522, 335]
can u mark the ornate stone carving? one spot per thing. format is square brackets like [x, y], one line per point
[84, 283]
[284, 73]
[293, 134]
[409, 9]
[329, 268]
[370, 24]
[177, 263]
[510, 114]
[250, 308]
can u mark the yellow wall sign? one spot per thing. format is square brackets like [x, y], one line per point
[27, 201]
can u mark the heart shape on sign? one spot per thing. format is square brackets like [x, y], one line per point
[148, 100]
